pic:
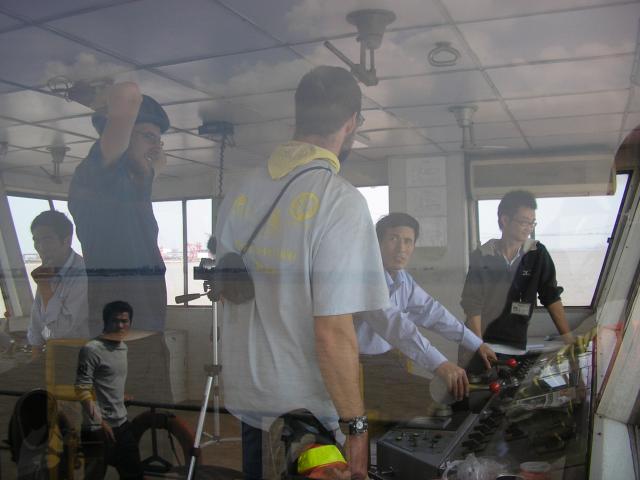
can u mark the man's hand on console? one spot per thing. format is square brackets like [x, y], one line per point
[455, 378]
[487, 354]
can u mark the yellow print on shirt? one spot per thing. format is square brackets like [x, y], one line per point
[240, 205]
[304, 206]
[274, 223]
[282, 254]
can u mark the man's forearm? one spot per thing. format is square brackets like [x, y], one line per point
[337, 351]
[474, 324]
[556, 310]
[90, 408]
[123, 104]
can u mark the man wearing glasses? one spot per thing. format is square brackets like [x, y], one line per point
[314, 264]
[110, 201]
[504, 277]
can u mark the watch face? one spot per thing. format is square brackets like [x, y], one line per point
[359, 425]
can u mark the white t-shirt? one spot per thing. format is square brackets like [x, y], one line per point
[317, 255]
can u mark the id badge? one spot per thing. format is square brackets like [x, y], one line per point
[518, 308]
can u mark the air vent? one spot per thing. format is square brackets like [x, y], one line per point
[543, 176]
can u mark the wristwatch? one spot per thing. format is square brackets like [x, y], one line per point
[357, 425]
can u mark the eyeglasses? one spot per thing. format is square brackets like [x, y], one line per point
[359, 120]
[525, 223]
[150, 137]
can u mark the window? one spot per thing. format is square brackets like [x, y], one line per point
[378, 200]
[61, 206]
[170, 241]
[199, 230]
[169, 215]
[575, 230]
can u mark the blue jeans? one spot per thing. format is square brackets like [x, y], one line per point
[251, 452]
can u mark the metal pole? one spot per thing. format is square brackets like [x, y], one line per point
[216, 365]
[196, 444]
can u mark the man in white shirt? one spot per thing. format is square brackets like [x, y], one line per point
[396, 327]
[294, 345]
[60, 306]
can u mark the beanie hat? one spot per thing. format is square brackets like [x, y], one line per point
[150, 112]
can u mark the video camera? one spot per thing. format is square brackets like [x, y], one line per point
[229, 279]
[206, 271]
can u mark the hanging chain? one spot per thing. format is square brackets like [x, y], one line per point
[223, 146]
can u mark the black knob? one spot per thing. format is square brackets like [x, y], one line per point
[471, 444]
[484, 429]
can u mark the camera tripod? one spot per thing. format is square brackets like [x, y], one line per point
[212, 384]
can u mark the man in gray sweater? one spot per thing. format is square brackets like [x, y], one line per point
[107, 436]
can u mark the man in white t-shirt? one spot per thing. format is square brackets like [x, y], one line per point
[314, 264]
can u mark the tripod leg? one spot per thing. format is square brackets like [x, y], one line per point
[203, 412]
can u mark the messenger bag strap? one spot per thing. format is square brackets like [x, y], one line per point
[273, 206]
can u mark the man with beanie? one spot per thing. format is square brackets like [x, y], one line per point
[110, 201]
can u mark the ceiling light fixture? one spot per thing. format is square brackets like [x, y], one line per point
[443, 55]
[58, 153]
[371, 24]
[464, 118]
[91, 94]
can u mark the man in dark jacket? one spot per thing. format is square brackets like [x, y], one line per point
[505, 276]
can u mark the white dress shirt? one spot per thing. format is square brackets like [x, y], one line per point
[65, 315]
[397, 326]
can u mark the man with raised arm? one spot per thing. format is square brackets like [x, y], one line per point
[383, 333]
[110, 201]
[314, 264]
[60, 305]
[107, 435]
[505, 276]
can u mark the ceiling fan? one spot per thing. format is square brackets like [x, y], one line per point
[464, 118]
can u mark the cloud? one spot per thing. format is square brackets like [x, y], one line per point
[85, 67]
[257, 78]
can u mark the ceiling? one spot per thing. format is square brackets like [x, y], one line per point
[549, 75]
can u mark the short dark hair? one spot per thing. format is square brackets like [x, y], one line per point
[397, 219]
[513, 201]
[325, 99]
[57, 221]
[111, 309]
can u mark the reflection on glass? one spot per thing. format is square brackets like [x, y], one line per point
[23, 211]
[61, 206]
[169, 218]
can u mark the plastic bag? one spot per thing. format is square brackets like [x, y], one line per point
[473, 468]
